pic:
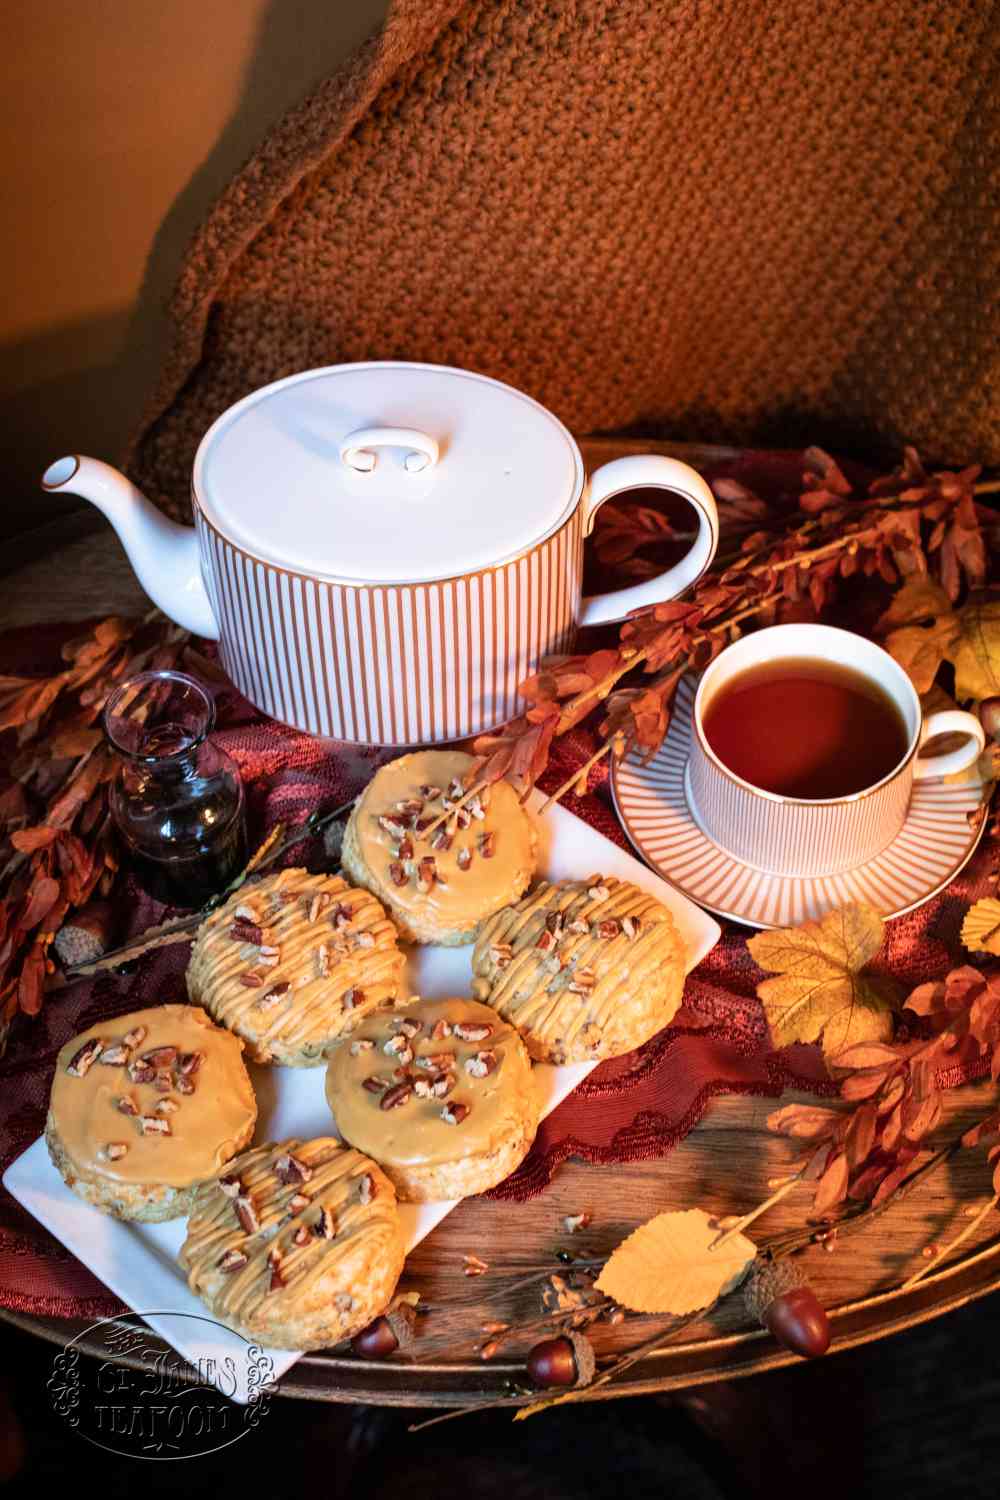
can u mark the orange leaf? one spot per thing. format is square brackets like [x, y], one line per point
[32, 981]
[832, 1186]
[28, 840]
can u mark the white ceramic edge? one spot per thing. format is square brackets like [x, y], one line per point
[34, 1182]
[232, 413]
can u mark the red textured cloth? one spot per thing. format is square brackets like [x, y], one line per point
[634, 1108]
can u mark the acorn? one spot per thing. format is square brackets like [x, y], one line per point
[777, 1295]
[377, 1341]
[567, 1360]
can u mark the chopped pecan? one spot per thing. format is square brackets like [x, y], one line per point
[325, 1227]
[277, 1280]
[404, 849]
[273, 997]
[233, 1260]
[398, 1046]
[246, 1213]
[115, 1150]
[393, 827]
[367, 1189]
[154, 1125]
[289, 1169]
[134, 1037]
[251, 979]
[246, 913]
[464, 858]
[455, 1112]
[572, 1223]
[115, 1056]
[397, 873]
[476, 808]
[183, 1084]
[582, 982]
[269, 956]
[190, 1062]
[578, 926]
[442, 1085]
[411, 808]
[141, 1072]
[341, 916]
[163, 1080]
[166, 1107]
[608, 928]
[353, 997]
[433, 1062]
[246, 932]
[598, 892]
[440, 1030]
[297, 1202]
[463, 817]
[501, 954]
[126, 1105]
[407, 1025]
[363, 1044]
[472, 1031]
[301, 1236]
[364, 939]
[631, 926]
[546, 940]
[474, 1265]
[441, 839]
[488, 844]
[374, 1085]
[323, 960]
[481, 1065]
[84, 1058]
[554, 923]
[430, 793]
[426, 874]
[397, 1095]
[231, 1186]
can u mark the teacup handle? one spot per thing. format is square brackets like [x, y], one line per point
[950, 721]
[643, 471]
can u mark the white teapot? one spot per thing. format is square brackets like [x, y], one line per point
[384, 550]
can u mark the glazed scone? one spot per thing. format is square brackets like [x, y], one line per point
[145, 1108]
[439, 887]
[293, 962]
[298, 1245]
[439, 1093]
[585, 969]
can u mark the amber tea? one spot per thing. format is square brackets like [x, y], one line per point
[806, 728]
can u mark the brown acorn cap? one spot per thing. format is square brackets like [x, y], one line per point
[583, 1353]
[769, 1279]
[402, 1319]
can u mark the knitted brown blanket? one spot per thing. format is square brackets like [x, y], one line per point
[741, 220]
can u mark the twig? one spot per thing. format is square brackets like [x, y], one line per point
[945, 1250]
[577, 775]
[755, 1213]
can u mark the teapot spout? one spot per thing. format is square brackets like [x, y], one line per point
[164, 555]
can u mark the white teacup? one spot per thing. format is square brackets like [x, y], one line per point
[796, 836]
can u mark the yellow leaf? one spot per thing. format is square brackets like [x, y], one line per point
[981, 928]
[976, 654]
[820, 992]
[919, 630]
[667, 1265]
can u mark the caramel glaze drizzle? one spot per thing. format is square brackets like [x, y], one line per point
[314, 1006]
[531, 986]
[361, 1201]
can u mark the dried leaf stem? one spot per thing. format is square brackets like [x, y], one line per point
[943, 1252]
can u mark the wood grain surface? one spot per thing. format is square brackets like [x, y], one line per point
[725, 1166]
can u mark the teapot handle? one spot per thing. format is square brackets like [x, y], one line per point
[650, 470]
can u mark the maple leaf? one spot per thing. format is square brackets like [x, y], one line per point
[819, 992]
[668, 1265]
[976, 652]
[919, 629]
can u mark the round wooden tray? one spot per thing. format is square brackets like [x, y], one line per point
[724, 1166]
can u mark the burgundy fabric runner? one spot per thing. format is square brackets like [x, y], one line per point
[634, 1108]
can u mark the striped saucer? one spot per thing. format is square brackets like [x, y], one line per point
[939, 836]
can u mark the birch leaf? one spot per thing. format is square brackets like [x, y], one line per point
[976, 654]
[667, 1265]
[981, 928]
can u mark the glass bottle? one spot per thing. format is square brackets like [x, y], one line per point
[177, 799]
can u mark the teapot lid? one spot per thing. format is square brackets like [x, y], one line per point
[387, 473]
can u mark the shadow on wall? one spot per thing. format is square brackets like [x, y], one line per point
[82, 386]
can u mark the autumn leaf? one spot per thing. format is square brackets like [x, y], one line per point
[919, 629]
[981, 928]
[976, 653]
[820, 992]
[668, 1265]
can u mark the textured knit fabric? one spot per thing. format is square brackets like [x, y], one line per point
[714, 219]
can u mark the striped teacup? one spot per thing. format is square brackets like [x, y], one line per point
[801, 837]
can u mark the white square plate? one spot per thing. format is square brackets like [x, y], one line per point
[138, 1262]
